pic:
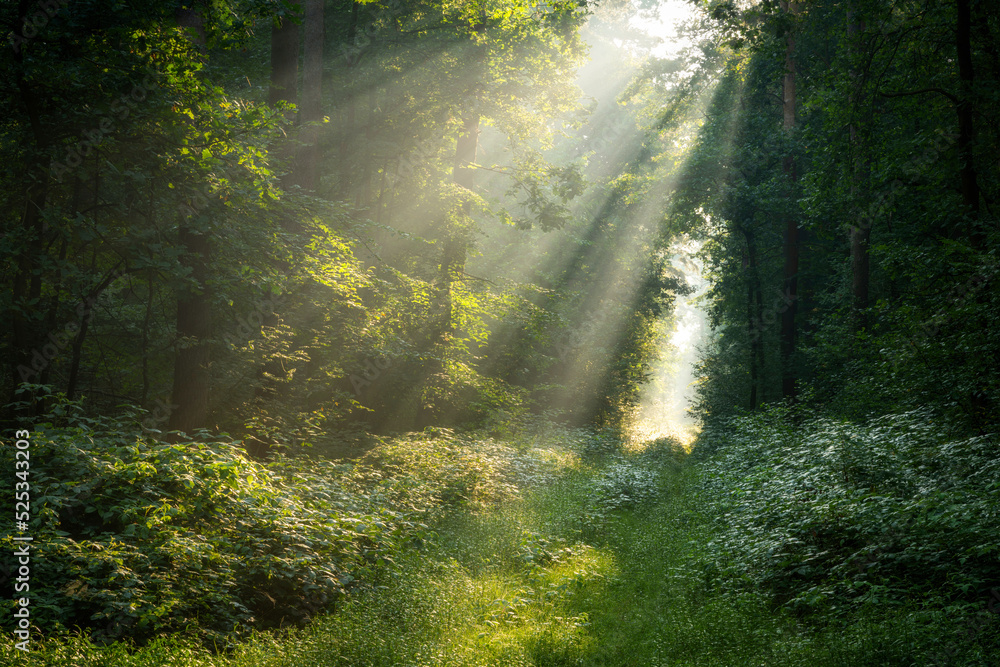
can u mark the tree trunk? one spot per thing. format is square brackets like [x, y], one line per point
[86, 313]
[307, 167]
[363, 194]
[194, 330]
[982, 407]
[193, 20]
[26, 287]
[349, 113]
[284, 61]
[791, 244]
[860, 274]
[144, 347]
[456, 239]
[453, 256]
[860, 233]
[966, 127]
[194, 318]
[754, 319]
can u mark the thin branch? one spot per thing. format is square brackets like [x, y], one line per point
[471, 277]
[940, 91]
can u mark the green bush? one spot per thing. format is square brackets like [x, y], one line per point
[139, 538]
[830, 515]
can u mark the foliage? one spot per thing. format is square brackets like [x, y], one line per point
[899, 316]
[142, 538]
[625, 484]
[525, 582]
[830, 517]
[323, 309]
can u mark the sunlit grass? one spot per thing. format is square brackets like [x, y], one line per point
[641, 434]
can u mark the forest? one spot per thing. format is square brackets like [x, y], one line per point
[500, 333]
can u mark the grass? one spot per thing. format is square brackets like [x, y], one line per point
[592, 558]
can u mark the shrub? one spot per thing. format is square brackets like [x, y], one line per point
[135, 537]
[831, 514]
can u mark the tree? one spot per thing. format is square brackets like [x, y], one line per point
[310, 155]
[192, 374]
[791, 242]
[860, 229]
[887, 146]
[284, 58]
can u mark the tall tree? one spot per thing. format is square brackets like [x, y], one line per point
[755, 314]
[861, 226]
[791, 244]
[311, 114]
[27, 281]
[284, 59]
[966, 122]
[192, 374]
[457, 236]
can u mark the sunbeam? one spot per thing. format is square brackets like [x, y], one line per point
[666, 22]
[665, 399]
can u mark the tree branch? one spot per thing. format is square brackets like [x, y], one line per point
[940, 91]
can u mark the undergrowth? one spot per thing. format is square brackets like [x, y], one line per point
[138, 538]
[842, 523]
[562, 547]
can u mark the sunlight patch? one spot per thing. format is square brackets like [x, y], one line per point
[525, 624]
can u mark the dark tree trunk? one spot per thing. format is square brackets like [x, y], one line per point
[309, 157]
[860, 274]
[755, 312]
[860, 232]
[791, 241]
[284, 61]
[980, 395]
[146, 323]
[194, 330]
[26, 285]
[86, 312]
[193, 20]
[284, 88]
[788, 383]
[349, 113]
[966, 127]
[194, 318]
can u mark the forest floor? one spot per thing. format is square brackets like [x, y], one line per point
[595, 556]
